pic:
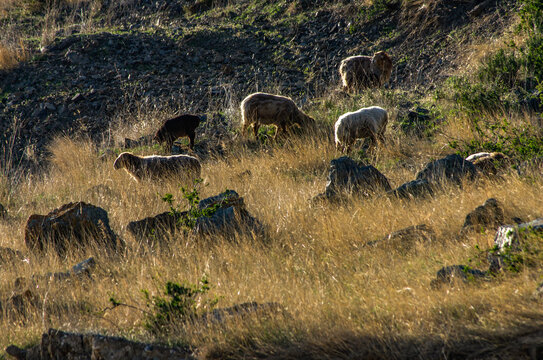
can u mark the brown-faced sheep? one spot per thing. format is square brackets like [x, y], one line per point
[360, 72]
[157, 167]
[367, 122]
[184, 125]
[266, 109]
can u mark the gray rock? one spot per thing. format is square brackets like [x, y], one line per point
[489, 215]
[230, 216]
[347, 176]
[452, 168]
[404, 239]
[509, 240]
[448, 274]
[56, 344]
[241, 310]
[72, 225]
[159, 227]
[413, 189]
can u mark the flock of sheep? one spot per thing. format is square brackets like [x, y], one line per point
[357, 72]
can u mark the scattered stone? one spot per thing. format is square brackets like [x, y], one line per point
[240, 310]
[404, 239]
[452, 168]
[488, 163]
[509, 240]
[413, 189]
[448, 274]
[74, 224]
[346, 176]
[480, 8]
[79, 270]
[486, 216]
[17, 305]
[416, 122]
[56, 344]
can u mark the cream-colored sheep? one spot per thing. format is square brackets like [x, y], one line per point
[157, 167]
[266, 109]
[367, 122]
[360, 72]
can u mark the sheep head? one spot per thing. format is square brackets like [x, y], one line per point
[381, 66]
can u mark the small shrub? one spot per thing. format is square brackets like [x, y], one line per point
[500, 68]
[182, 303]
[501, 136]
[189, 219]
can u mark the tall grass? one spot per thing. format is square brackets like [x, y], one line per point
[339, 296]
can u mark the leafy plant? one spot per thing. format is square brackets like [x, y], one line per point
[182, 302]
[189, 218]
[501, 136]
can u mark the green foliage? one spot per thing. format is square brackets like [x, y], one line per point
[500, 68]
[188, 219]
[533, 57]
[501, 136]
[531, 13]
[182, 302]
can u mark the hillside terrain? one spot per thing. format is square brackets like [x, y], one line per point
[415, 264]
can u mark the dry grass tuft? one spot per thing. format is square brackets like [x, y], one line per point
[11, 55]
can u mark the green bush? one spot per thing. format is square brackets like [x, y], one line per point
[182, 303]
[501, 136]
[500, 68]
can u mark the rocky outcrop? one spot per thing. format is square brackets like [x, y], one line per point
[347, 177]
[224, 214]
[56, 344]
[229, 216]
[403, 240]
[416, 189]
[157, 227]
[510, 240]
[487, 216]
[452, 168]
[73, 225]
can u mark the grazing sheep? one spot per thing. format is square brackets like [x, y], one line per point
[156, 167]
[360, 72]
[367, 122]
[184, 125]
[265, 109]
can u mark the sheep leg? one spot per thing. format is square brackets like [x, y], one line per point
[191, 136]
[256, 126]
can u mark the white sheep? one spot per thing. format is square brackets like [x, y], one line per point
[367, 122]
[157, 167]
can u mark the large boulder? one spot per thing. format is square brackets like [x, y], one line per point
[227, 216]
[415, 189]
[346, 176]
[56, 344]
[489, 215]
[223, 214]
[509, 241]
[452, 168]
[156, 227]
[73, 225]
[403, 240]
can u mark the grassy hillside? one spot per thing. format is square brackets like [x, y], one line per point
[339, 297]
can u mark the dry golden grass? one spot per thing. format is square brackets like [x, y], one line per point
[11, 55]
[340, 296]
